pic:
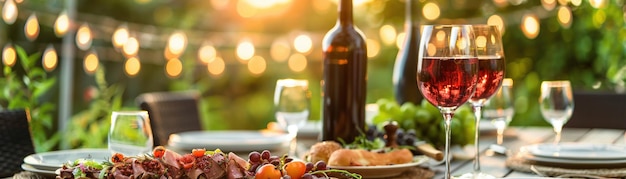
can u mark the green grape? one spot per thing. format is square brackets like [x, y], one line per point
[423, 117]
[431, 109]
[380, 118]
[408, 124]
[456, 128]
[408, 110]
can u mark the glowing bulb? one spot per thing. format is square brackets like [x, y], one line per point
[297, 62]
[50, 58]
[207, 53]
[577, 2]
[598, 3]
[565, 16]
[387, 34]
[481, 41]
[497, 21]
[83, 37]
[120, 36]
[280, 50]
[217, 66]
[373, 47]
[246, 10]
[9, 56]
[400, 40]
[132, 66]
[62, 24]
[174, 68]
[177, 43]
[31, 29]
[131, 47]
[548, 4]
[9, 12]
[245, 50]
[530, 26]
[257, 65]
[91, 62]
[431, 11]
[219, 4]
[302, 43]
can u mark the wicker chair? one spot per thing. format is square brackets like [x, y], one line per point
[171, 112]
[15, 141]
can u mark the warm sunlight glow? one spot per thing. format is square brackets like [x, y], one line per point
[303, 43]
[62, 24]
[83, 37]
[500, 3]
[400, 40]
[132, 66]
[9, 12]
[257, 65]
[173, 68]
[246, 10]
[530, 26]
[219, 4]
[50, 58]
[548, 4]
[497, 21]
[91, 62]
[280, 50]
[177, 43]
[9, 56]
[131, 47]
[565, 16]
[207, 53]
[245, 50]
[120, 36]
[387, 34]
[31, 29]
[431, 11]
[216, 67]
[297, 62]
[373, 47]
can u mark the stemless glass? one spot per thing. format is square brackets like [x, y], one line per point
[130, 133]
[447, 71]
[292, 104]
[499, 108]
[556, 104]
[490, 74]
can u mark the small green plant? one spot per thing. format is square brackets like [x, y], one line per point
[28, 87]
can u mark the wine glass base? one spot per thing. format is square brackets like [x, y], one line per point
[479, 175]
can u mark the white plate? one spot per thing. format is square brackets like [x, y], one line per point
[229, 141]
[46, 173]
[571, 162]
[311, 129]
[55, 159]
[584, 151]
[384, 171]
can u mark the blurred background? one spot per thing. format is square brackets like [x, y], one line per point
[73, 62]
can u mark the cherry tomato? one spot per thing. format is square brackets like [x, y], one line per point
[158, 152]
[295, 169]
[117, 158]
[267, 171]
[198, 152]
[187, 161]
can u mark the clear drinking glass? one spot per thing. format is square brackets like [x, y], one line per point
[130, 133]
[557, 104]
[499, 108]
[292, 104]
[447, 71]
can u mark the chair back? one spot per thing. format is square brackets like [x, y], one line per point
[171, 112]
[598, 110]
[15, 141]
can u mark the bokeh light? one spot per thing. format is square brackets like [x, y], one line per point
[280, 50]
[387, 34]
[9, 12]
[131, 47]
[9, 56]
[373, 47]
[497, 21]
[217, 66]
[431, 11]
[530, 26]
[177, 43]
[548, 4]
[173, 68]
[563, 2]
[303, 43]
[83, 37]
[91, 62]
[62, 24]
[120, 36]
[257, 65]
[207, 53]
[564, 16]
[31, 29]
[400, 40]
[481, 41]
[500, 3]
[598, 3]
[577, 2]
[132, 66]
[50, 58]
[297, 62]
[245, 50]
[246, 10]
[219, 4]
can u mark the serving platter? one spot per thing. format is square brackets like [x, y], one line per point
[55, 159]
[384, 171]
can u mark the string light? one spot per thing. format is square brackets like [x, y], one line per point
[257, 65]
[387, 34]
[598, 3]
[131, 47]
[245, 50]
[431, 11]
[132, 66]
[297, 62]
[31, 29]
[400, 40]
[177, 44]
[530, 26]
[62, 24]
[9, 57]
[246, 10]
[564, 16]
[50, 58]
[548, 4]
[83, 37]
[173, 68]
[497, 21]
[373, 47]
[280, 50]
[216, 67]
[303, 44]
[9, 12]
[120, 36]
[207, 53]
[577, 2]
[91, 62]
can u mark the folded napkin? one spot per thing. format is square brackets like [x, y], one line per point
[518, 163]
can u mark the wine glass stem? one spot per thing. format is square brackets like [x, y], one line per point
[557, 138]
[447, 119]
[500, 135]
[293, 132]
[478, 115]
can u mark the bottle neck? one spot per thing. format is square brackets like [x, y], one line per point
[345, 12]
[409, 14]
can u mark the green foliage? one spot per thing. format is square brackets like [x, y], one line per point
[27, 88]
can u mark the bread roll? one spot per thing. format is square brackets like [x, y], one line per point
[359, 157]
[321, 151]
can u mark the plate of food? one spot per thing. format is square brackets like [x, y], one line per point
[53, 160]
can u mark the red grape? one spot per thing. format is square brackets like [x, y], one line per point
[254, 157]
[265, 155]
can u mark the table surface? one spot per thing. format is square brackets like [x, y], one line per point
[515, 137]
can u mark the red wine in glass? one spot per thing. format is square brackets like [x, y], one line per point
[490, 75]
[447, 81]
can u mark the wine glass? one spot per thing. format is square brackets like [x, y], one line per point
[556, 104]
[447, 69]
[292, 104]
[130, 133]
[499, 108]
[490, 74]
